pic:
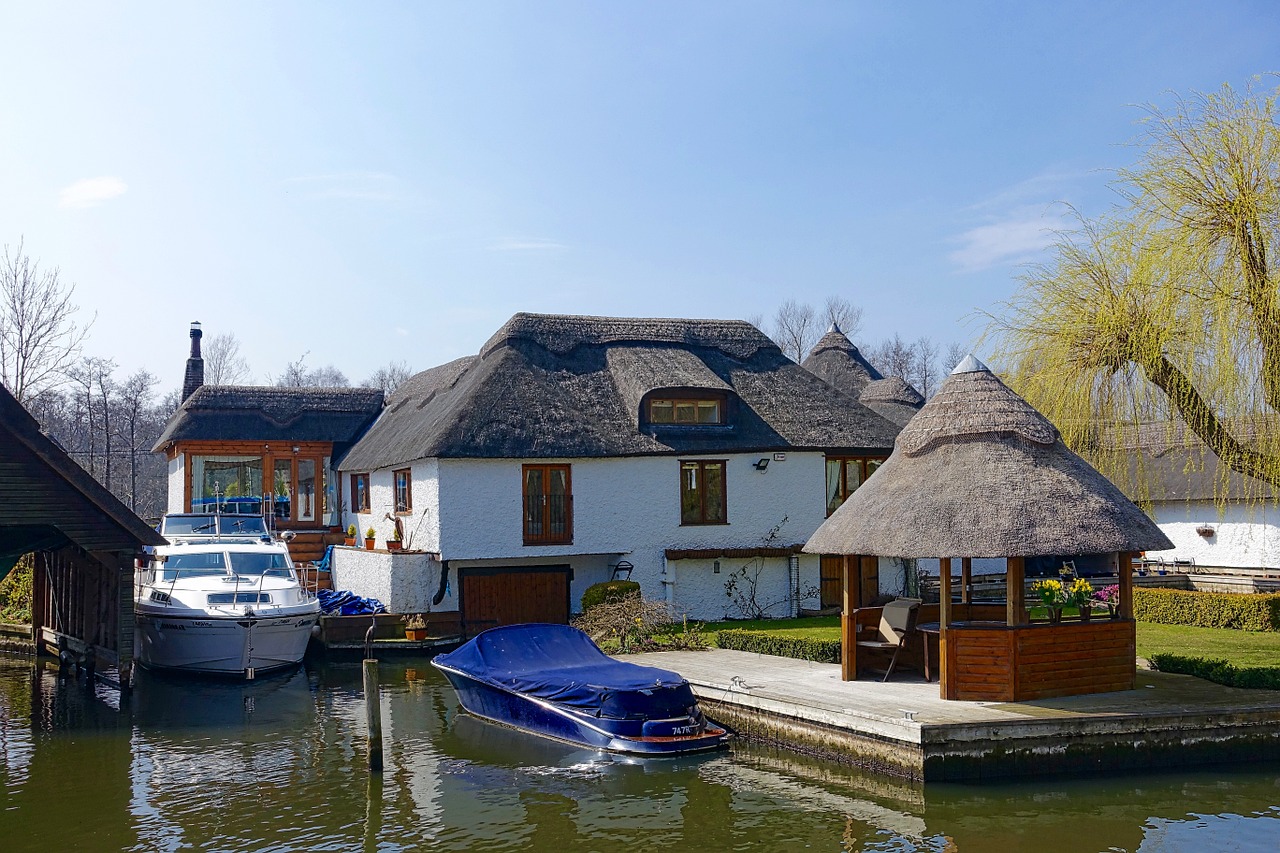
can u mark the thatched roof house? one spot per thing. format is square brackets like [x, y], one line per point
[838, 362]
[979, 473]
[553, 386]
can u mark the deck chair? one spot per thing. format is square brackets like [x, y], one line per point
[897, 623]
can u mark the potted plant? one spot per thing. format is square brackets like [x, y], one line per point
[415, 627]
[369, 537]
[393, 541]
[1080, 594]
[1109, 597]
[351, 536]
[1052, 597]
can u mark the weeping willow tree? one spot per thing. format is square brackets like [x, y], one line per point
[1163, 315]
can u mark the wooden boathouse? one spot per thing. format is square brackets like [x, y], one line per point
[978, 472]
[84, 541]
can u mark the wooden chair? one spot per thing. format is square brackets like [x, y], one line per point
[897, 623]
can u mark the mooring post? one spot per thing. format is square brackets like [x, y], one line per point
[373, 714]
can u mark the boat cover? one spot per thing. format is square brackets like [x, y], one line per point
[560, 664]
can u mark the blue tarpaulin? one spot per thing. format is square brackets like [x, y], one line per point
[560, 664]
[344, 603]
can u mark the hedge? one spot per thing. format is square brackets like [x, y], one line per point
[765, 643]
[1243, 611]
[1220, 672]
[599, 593]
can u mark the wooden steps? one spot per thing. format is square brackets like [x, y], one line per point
[309, 546]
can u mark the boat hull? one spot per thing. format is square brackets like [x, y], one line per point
[223, 645]
[547, 719]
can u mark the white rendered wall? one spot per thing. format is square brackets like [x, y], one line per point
[421, 527]
[405, 583]
[1245, 536]
[177, 484]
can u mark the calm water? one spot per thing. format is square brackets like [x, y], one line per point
[279, 765]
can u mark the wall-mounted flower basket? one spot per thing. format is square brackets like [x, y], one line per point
[1205, 530]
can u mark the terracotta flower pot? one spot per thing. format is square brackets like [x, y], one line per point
[393, 544]
[415, 634]
[369, 543]
[349, 541]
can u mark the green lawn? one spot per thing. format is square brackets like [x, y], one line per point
[1242, 648]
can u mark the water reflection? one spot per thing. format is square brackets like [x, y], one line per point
[279, 764]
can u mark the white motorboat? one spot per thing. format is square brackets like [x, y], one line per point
[221, 598]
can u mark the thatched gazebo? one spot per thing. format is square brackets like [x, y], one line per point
[979, 473]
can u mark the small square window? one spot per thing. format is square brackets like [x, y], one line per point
[403, 490]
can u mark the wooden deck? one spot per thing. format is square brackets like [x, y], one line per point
[904, 727]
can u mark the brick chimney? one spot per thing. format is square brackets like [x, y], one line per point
[195, 365]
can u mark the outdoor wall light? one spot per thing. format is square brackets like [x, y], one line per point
[760, 464]
[715, 567]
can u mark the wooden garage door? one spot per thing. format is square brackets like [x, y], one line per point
[514, 595]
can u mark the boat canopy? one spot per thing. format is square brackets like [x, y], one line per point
[560, 664]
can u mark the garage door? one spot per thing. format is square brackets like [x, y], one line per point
[509, 596]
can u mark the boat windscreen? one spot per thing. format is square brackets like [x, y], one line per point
[271, 565]
[243, 525]
[655, 703]
[197, 564]
[188, 525]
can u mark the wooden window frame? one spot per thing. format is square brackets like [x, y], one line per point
[356, 504]
[721, 401]
[843, 489]
[545, 538]
[702, 501]
[407, 509]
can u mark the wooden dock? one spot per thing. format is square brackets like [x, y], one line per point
[903, 727]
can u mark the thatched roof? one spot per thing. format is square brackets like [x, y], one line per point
[894, 398]
[836, 361]
[549, 386]
[255, 413]
[979, 473]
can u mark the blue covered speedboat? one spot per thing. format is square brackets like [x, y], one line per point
[551, 680]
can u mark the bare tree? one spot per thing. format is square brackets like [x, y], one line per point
[795, 329]
[92, 375]
[223, 364]
[893, 357]
[296, 375]
[955, 354]
[38, 340]
[135, 412]
[389, 378]
[926, 367]
[841, 312]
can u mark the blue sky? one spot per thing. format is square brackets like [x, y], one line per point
[391, 181]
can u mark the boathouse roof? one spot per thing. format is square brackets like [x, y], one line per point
[258, 413]
[50, 501]
[838, 362]
[978, 472]
[547, 386]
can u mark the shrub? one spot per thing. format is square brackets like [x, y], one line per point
[1220, 671]
[15, 592]
[1243, 611]
[765, 643]
[630, 621]
[609, 591]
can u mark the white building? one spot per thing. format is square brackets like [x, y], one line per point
[689, 455]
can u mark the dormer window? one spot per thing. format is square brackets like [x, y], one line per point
[686, 410]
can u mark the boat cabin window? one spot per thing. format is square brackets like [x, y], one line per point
[198, 564]
[272, 565]
[206, 525]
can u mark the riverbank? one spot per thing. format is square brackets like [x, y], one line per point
[904, 728]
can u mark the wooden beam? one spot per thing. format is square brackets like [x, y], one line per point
[1124, 570]
[944, 592]
[848, 630]
[966, 579]
[1015, 591]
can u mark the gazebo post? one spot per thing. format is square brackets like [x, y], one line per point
[1124, 571]
[848, 626]
[966, 579]
[1015, 590]
[944, 591]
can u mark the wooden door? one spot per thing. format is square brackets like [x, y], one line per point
[829, 583]
[511, 596]
[869, 573]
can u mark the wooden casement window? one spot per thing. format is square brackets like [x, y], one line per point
[403, 490]
[702, 492]
[548, 505]
[691, 411]
[359, 492]
[844, 475]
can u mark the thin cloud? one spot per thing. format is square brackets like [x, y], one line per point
[91, 192]
[526, 246]
[1013, 239]
[363, 186]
